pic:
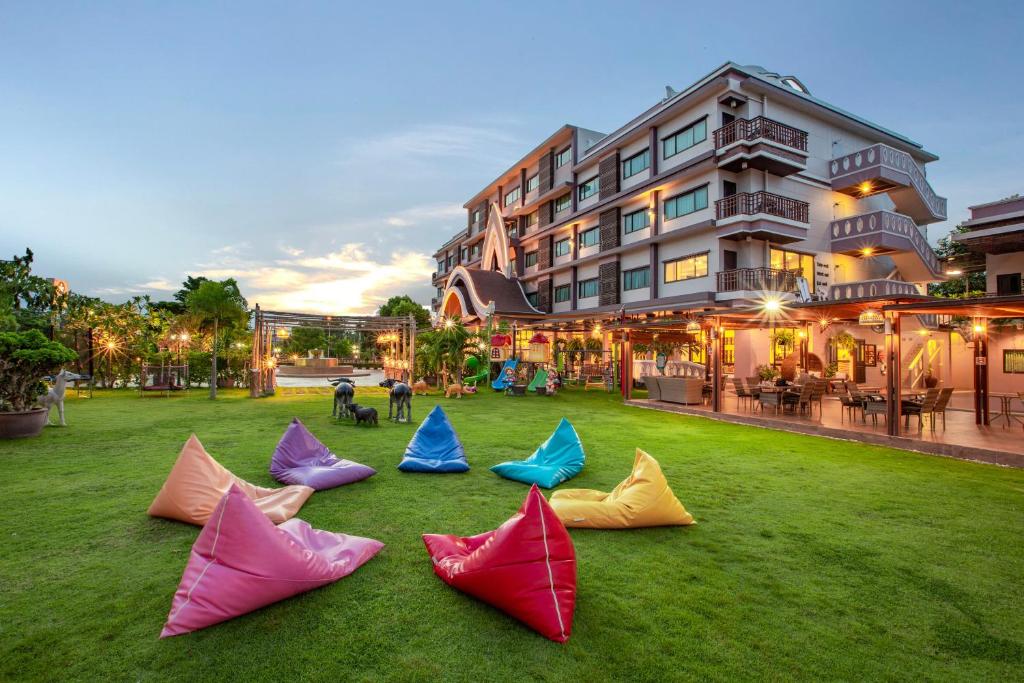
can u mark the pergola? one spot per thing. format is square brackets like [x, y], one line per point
[403, 341]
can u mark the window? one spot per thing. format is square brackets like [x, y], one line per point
[686, 268]
[531, 258]
[513, 231]
[511, 196]
[638, 278]
[533, 182]
[1008, 284]
[685, 203]
[586, 288]
[589, 238]
[450, 261]
[636, 163]
[440, 266]
[532, 220]
[1013, 361]
[793, 261]
[637, 220]
[532, 298]
[562, 247]
[685, 139]
[563, 157]
[474, 253]
[465, 254]
[562, 293]
[563, 203]
[589, 188]
[476, 216]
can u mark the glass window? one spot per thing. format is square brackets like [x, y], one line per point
[589, 188]
[562, 293]
[636, 220]
[475, 252]
[532, 219]
[1013, 361]
[531, 258]
[511, 196]
[563, 157]
[686, 268]
[638, 278]
[782, 259]
[532, 298]
[586, 288]
[685, 139]
[563, 203]
[589, 238]
[636, 163]
[533, 182]
[476, 216]
[685, 203]
[562, 247]
[440, 266]
[465, 254]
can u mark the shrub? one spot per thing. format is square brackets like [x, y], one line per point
[25, 357]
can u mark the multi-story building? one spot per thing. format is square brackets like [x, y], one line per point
[740, 187]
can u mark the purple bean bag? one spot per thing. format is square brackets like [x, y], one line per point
[300, 458]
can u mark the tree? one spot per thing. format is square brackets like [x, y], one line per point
[218, 302]
[303, 339]
[402, 306]
[964, 285]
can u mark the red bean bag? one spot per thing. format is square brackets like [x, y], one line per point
[526, 567]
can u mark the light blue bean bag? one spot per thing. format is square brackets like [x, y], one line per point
[558, 459]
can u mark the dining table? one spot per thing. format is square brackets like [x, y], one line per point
[1005, 408]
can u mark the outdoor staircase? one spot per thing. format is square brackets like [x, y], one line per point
[921, 360]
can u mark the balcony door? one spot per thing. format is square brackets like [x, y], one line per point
[859, 373]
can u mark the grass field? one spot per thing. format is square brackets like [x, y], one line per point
[811, 559]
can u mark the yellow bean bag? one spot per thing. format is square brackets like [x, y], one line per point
[643, 499]
[197, 482]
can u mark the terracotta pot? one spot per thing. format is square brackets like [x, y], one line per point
[22, 424]
[931, 382]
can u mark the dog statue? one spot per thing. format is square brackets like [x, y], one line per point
[364, 415]
[400, 395]
[344, 393]
[55, 396]
[456, 390]
[420, 388]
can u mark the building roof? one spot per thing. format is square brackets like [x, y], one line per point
[490, 286]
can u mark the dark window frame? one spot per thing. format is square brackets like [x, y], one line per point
[631, 273]
[665, 264]
[568, 202]
[680, 131]
[1013, 358]
[589, 281]
[627, 229]
[509, 198]
[567, 288]
[567, 241]
[693, 190]
[646, 151]
[596, 180]
[596, 230]
[532, 183]
[529, 262]
[559, 162]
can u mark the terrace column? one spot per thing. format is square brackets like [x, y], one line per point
[626, 365]
[254, 355]
[892, 377]
[981, 415]
[716, 361]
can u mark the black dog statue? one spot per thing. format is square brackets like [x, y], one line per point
[361, 415]
[344, 394]
[400, 395]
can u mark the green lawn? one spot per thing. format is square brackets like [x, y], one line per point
[811, 559]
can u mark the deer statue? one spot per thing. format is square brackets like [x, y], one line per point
[55, 396]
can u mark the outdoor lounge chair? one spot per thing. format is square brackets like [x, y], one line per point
[742, 392]
[653, 388]
[686, 390]
[940, 406]
[300, 458]
[643, 499]
[526, 567]
[874, 408]
[558, 459]
[197, 483]
[799, 399]
[241, 562]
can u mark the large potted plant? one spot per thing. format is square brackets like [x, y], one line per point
[25, 358]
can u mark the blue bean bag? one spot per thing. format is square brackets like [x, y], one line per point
[434, 447]
[558, 459]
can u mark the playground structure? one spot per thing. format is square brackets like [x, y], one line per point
[162, 379]
[399, 333]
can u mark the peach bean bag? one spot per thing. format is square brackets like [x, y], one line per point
[197, 482]
[643, 499]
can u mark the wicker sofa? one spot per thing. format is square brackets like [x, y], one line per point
[653, 388]
[681, 389]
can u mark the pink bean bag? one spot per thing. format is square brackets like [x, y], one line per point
[242, 562]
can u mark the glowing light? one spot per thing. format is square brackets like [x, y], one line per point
[867, 251]
[271, 362]
[772, 305]
[954, 272]
[865, 187]
[449, 323]
[978, 329]
[693, 327]
[596, 332]
[923, 333]
[111, 345]
[183, 336]
[871, 316]
[801, 334]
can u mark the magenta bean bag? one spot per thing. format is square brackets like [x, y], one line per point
[242, 562]
[300, 458]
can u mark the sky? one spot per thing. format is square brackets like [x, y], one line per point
[320, 152]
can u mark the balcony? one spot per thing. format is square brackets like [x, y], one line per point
[757, 280]
[886, 233]
[762, 215]
[761, 143]
[872, 289]
[880, 168]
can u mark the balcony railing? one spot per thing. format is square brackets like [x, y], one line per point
[760, 128]
[758, 279]
[750, 203]
[875, 161]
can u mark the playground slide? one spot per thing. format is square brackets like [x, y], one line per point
[539, 380]
[476, 372]
[499, 384]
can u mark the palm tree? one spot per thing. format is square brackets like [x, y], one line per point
[217, 302]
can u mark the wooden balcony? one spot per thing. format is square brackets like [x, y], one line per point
[761, 143]
[753, 203]
[757, 280]
[762, 216]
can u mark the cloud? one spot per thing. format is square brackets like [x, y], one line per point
[435, 141]
[426, 213]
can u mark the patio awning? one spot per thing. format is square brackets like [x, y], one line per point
[978, 307]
